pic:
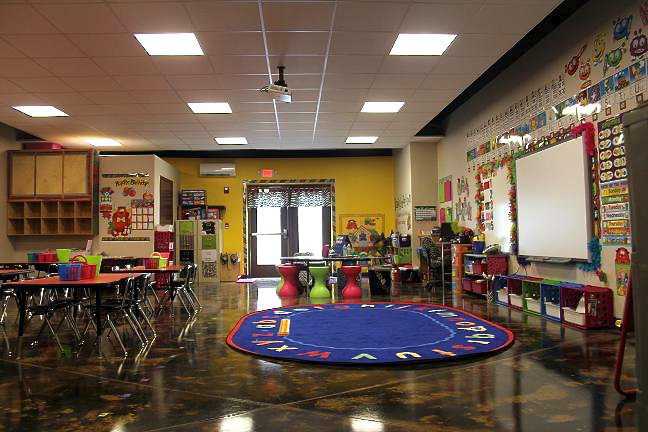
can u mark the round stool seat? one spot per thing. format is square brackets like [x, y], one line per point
[320, 275]
[351, 289]
[290, 286]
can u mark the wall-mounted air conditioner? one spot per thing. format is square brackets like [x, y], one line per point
[217, 170]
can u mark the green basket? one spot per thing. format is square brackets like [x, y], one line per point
[63, 255]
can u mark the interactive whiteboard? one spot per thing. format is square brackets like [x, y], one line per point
[553, 198]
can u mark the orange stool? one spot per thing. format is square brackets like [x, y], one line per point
[351, 289]
[290, 287]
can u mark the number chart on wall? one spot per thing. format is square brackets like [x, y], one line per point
[126, 207]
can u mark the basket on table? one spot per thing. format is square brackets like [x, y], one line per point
[32, 257]
[163, 257]
[151, 263]
[70, 271]
[88, 271]
[47, 257]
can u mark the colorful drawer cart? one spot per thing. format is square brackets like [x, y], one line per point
[581, 306]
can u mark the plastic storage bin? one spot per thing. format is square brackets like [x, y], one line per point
[514, 285]
[466, 284]
[480, 286]
[497, 264]
[550, 299]
[69, 272]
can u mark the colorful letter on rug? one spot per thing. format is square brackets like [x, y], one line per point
[369, 333]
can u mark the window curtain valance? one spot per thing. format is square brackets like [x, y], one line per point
[288, 196]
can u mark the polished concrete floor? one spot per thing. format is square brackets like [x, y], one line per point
[552, 379]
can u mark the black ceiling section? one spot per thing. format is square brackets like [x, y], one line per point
[567, 8]
[264, 154]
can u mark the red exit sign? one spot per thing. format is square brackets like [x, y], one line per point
[267, 173]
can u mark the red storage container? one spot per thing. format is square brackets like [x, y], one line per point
[47, 257]
[479, 267]
[480, 286]
[497, 264]
[466, 284]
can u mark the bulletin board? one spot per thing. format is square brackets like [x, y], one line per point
[364, 230]
[126, 207]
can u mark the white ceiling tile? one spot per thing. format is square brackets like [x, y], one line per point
[153, 17]
[8, 51]
[192, 95]
[348, 81]
[342, 95]
[11, 67]
[126, 65]
[304, 95]
[341, 107]
[436, 96]
[109, 97]
[388, 94]
[458, 80]
[72, 98]
[155, 96]
[353, 64]
[298, 64]
[365, 43]
[297, 15]
[390, 81]
[21, 19]
[336, 117]
[108, 45]
[183, 65]
[142, 82]
[231, 43]
[42, 85]
[504, 19]
[50, 45]
[7, 86]
[482, 45]
[224, 16]
[71, 67]
[253, 107]
[374, 118]
[196, 82]
[408, 64]
[250, 82]
[297, 43]
[240, 64]
[92, 83]
[82, 18]
[297, 117]
[20, 99]
[295, 107]
[357, 16]
[477, 65]
[439, 18]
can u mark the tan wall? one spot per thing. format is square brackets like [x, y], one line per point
[538, 66]
[16, 248]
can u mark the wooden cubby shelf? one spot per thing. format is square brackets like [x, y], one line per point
[50, 218]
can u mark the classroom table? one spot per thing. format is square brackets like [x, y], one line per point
[141, 269]
[99, 284]
[12, 273]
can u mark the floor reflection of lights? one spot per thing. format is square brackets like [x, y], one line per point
[267, 298]
[236, 424]
[362, 425]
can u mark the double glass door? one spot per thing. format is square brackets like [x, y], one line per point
[284, 231]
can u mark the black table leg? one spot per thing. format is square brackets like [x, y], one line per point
[21, 296]
[98, 314]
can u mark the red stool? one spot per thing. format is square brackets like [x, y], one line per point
[351, 289]
[290, 287]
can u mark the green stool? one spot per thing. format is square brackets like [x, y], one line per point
[320, 275]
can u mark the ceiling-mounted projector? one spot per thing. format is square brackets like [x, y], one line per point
[279, 91]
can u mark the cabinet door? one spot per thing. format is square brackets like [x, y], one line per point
[22, 168]
[75, 173]
[49, 174]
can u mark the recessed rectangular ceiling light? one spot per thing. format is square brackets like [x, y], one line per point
[231, 140]
[382, 107]
[103, 142]
[40, 111]
[361, 139]
[210, 107]
[421, 44]
[169, 44]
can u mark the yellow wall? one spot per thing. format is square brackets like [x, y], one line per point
[362, 185]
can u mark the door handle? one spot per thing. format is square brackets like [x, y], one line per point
[284, 233]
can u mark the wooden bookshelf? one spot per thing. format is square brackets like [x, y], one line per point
[52, 193]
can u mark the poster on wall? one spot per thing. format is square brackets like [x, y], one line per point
[613, 174]
[364, 230]
[425, 213]
[126, 206]
[445, 189]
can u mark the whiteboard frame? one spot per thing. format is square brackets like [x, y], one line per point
[588, 177]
